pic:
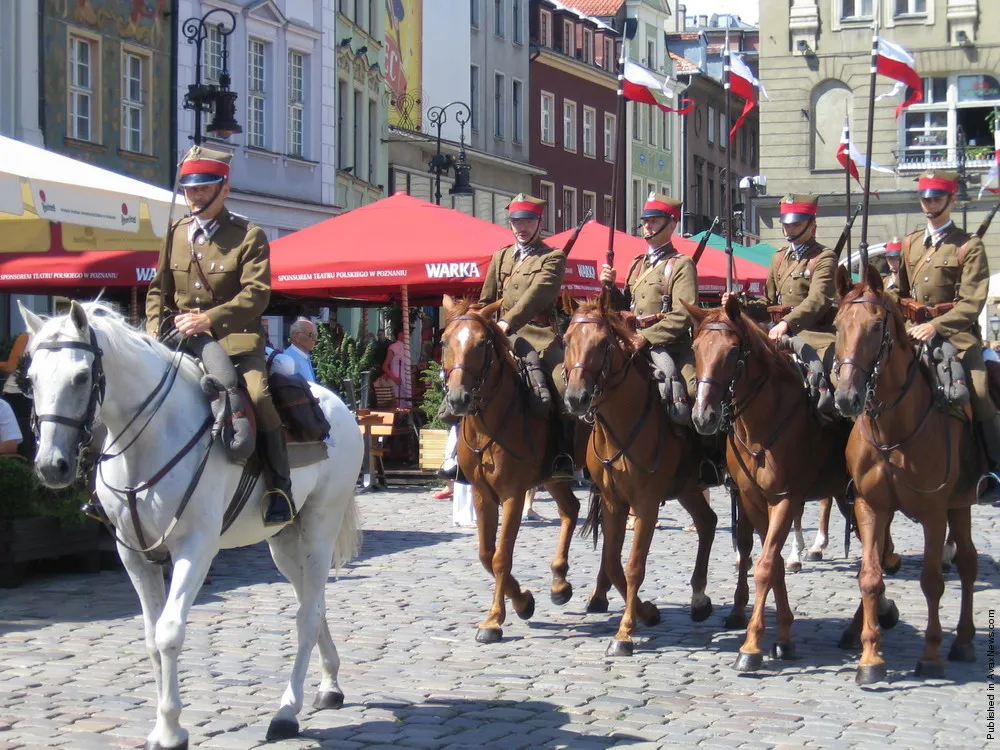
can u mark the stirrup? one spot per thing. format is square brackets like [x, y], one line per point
[988, 489]
[270, 516]
[94, 510]
[562, 467]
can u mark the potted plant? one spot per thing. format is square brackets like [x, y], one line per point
[38, 523]
[434, 434]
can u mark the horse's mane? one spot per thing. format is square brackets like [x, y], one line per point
[472, 307]
[623, 333]
[895, 311]
[775, 361]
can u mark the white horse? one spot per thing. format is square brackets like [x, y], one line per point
[91, 364]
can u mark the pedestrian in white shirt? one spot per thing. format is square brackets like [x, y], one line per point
[303, 334]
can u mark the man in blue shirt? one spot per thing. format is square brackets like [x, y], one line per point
[303, 335]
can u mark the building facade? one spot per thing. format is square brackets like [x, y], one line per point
[283, 63]
[573, 114]
[818, 77]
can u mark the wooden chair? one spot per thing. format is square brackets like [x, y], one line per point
[375, 426]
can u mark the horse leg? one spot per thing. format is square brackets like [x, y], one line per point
[871, 529]
[147, 579]
[569, 512]
[950, 549]
[192, 559]
[645, 524]
[737, 617]
[798, 543]
[823, 532]
[891, 562]
[960, 523]
[613, 519]
[499, 564]
[780, 520]
[932, 584]
[705, 522]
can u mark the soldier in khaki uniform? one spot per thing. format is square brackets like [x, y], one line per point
[945, 271]
[658, 282]
[213, 283]
[893, 252]
[528, 276]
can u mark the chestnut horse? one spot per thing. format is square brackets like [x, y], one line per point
[778, 453]
[906, 452]
[503, 448]
[637, 460]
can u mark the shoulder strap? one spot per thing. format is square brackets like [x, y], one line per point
[270, 357]
[963, 251]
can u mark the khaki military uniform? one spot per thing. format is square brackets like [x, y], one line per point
[810, 292]
[529, 289]
[643, 294]
[235, 263]
[934, 275]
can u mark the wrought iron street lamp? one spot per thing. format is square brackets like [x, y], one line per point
[211, 97]
[442, 163]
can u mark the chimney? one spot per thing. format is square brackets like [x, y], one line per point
[702, 22]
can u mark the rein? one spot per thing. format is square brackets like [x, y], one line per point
[600, 376]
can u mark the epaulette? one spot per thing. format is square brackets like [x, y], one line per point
[239, 219]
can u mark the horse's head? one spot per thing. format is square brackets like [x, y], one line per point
[867, 322]
[468, 349]
[720, 350]
[594, 335]
[67, 383]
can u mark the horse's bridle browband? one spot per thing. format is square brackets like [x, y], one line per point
[600, 376]
[98, 385]
[730, 409]
[477, 402]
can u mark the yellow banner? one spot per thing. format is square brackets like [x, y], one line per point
[403, 32]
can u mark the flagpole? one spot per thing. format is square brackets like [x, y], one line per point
[726, 208]
[866, 196]
[618, 167]
[847, 183]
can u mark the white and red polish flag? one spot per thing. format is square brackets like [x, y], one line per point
[744, 84]
[649, 87]
[851, 158]
[892, 61]
[994, 175]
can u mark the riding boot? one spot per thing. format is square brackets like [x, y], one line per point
[989, 491]
[221, 384]
[279, 508]
[565, 434]
[950, 373]
[531, 364]
[816, 380]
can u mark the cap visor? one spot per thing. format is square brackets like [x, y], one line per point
[524, 215]
[933, 193]
[794, 218]
[194, 180]
[655, 213]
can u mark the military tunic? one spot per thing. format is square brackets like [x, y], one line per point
[643, 294]
[236, 265]
[529, 289]
[933, 275]
[809, 292]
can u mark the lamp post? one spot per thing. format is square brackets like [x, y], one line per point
[211, 97]
[963, 189]
[995, 325]
[442, 163]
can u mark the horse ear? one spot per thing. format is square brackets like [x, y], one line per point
[32, 321]
[733, 308]
[874, 279]
[569, 304]
[79, 316]
[844, 283]
[491, 309]
[698, 314]
[447, 302]
[604, 301]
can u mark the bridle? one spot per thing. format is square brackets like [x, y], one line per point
[873, 409]
[476, 392]
[730, 409]
[600, 376]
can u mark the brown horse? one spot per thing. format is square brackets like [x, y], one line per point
[778, 453]
[637, 460]
[906, 452]
[503, 448]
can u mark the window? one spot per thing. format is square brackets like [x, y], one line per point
[359, 13]
[81, 88]
[609, 54]
[474, 13]
[343, 144]
[515, 22]
[211, 63]
[498, 17]
[855, 9]
[569, 208]
[569, 39]
[711, 191]
[711, 124]
[474, 95]
[723, 130]
[830, 100]
[499, 111]
[608, 211]
[548, 105]
[256, 59]
[133, 102]
[547, 192]
[589, 131]
[651, 127]
[910, 8]
[372, 17]
[569, 125]
[668, 140]
[636, 121]
[296, 102]
[545, 28]
[637, 201]
[373, 133]
[958, 103]
[609, 137]
[651, 54]
[588, 46]
[516, 114]
[589, 204]
[359, 135]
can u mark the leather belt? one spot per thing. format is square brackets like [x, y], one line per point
[914, 312]
[542, 320]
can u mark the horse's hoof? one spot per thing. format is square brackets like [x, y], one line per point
[489, 635]
[329, 699]
[794, 567]
[930, 669]
[282, 729]
[748, 662]
[945, 567]
[562, 596]
[529, 609]
[701, 612]
[869, 674]
[849, 640]
[783, 651]
[893, 566]
[158, 746]
[597, 606]
[962, 652]
[649, 615]
[888, 619]
[736, 621]
[620, 648]
[814, 555]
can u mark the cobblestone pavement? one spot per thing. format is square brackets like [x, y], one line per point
[74, 672]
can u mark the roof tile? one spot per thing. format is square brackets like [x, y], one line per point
[596, 7]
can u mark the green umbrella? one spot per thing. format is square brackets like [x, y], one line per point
[761, 253]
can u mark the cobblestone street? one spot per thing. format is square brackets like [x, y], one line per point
[74, 671]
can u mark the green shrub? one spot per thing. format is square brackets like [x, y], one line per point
[433, 395]
[336, 362]
[23, 496]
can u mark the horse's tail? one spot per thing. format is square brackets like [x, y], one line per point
[592, 525]
[348, 543]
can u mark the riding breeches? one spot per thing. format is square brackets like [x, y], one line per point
[253, 369]
[551, 361]
[825, 346]
[979, 395]
[681, 359]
